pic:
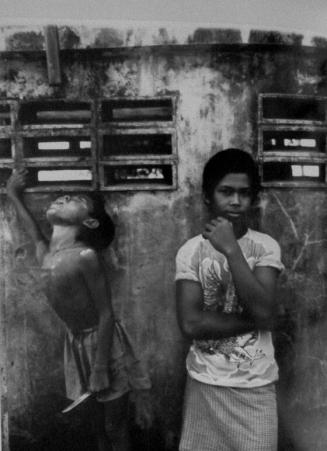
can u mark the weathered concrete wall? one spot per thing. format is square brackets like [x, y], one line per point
[217, 88]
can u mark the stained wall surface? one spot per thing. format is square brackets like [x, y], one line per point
[217, 87]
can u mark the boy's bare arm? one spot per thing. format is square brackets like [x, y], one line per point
[196, 323]
[255, 289]
[15, 188]
[99, 290]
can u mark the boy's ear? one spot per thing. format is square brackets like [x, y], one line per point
[91, 223]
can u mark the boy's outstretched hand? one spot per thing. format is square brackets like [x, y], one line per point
[99, 380]
[221, 235]
[17, 182]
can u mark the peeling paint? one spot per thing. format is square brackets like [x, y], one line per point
[215, 36]
[25, 41]
[273, 37]
[319, 42]
[108, 37]
[163, 38]
[68, 38]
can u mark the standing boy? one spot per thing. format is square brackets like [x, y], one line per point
[78, 289]
[226, 279]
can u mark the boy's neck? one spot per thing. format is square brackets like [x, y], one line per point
[240, 230]
[64, 237]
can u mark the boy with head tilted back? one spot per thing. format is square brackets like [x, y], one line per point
[78, 290]
[226, 279]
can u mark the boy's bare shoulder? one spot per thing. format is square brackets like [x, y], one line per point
[89, 259]
[88, 253]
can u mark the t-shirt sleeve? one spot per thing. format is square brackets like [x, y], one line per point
[271, 255]
[187, 263]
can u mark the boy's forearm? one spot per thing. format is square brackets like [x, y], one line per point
[26, 217]
[216, 325]
[252, 295]
[105, 339]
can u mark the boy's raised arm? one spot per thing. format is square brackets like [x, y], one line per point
[197, 323]
[15, 188]
[255, 289]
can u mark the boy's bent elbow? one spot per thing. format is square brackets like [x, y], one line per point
[189, 328]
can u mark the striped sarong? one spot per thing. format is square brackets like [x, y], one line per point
[219, 418]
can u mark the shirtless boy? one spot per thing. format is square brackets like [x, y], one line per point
[79, 292]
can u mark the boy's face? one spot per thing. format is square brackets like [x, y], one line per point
[69, 209]
[232, 197]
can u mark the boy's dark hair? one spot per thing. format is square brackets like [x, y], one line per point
[100, 237]
[229, 161]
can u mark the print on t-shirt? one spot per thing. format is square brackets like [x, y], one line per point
[219, 295]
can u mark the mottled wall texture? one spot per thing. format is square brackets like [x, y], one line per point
[217, 86]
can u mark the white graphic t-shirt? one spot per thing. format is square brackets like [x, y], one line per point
[243, 360]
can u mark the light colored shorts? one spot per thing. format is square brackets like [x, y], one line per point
[124, 369]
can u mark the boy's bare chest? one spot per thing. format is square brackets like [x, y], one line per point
[62, 279]
[61, 266]
[67, 290]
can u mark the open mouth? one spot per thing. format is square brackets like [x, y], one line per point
[54, 205]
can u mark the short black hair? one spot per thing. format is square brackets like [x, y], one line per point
[230, 161]
[100, 237]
